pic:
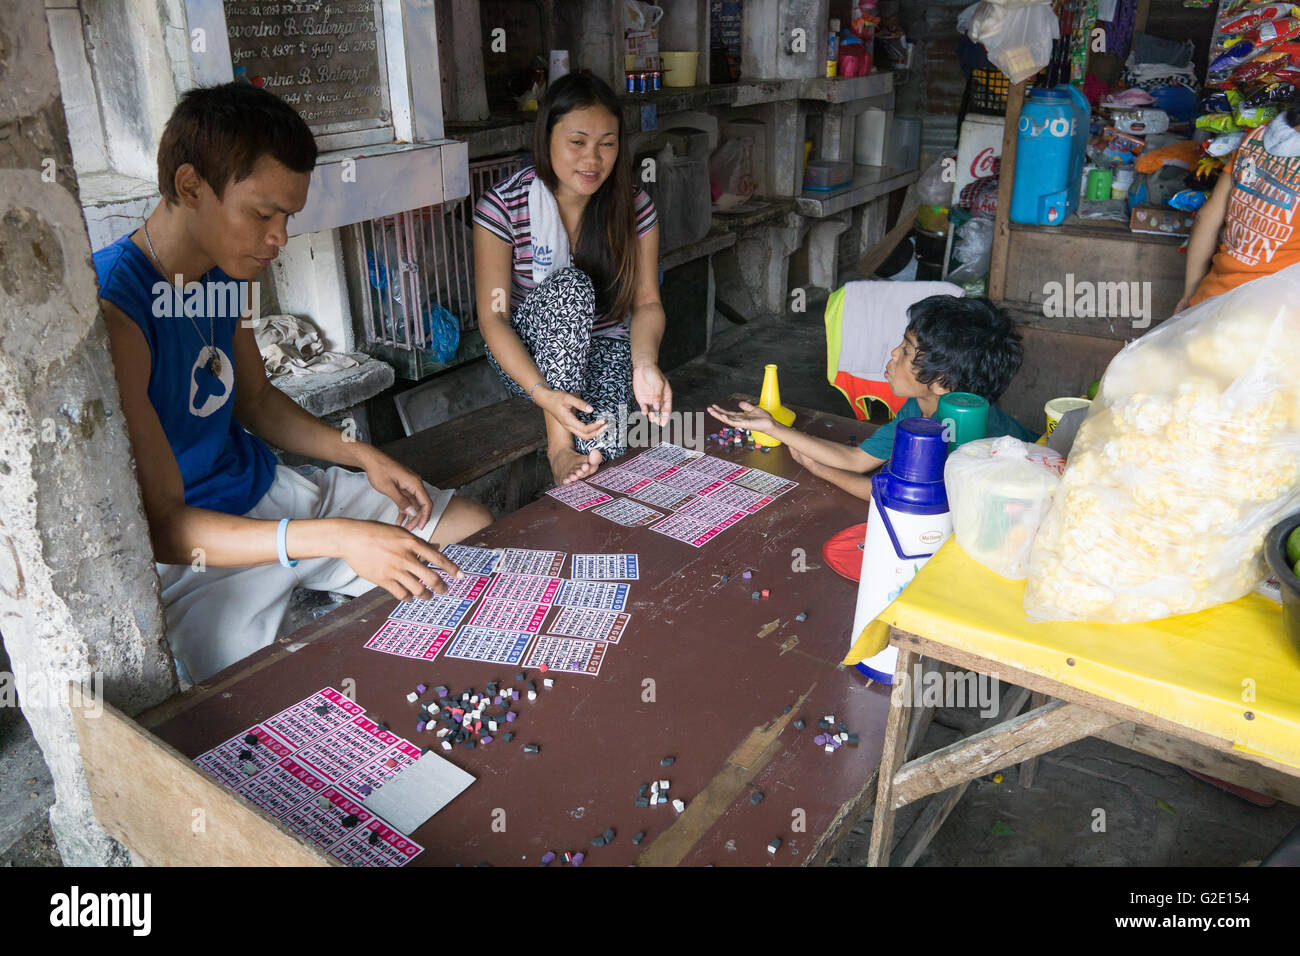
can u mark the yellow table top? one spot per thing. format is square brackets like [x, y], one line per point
[1204, 671]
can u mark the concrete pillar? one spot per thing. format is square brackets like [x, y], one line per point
[785, 136]
[593, 32]
[311, 281]
[837, 131]
[763, 255]
[129, 44]
[770, 46]
[685, 27]
[78, 595]
[460, 58]
[872, 226]
[823, 251]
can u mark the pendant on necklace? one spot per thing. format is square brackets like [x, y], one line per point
[214, 364]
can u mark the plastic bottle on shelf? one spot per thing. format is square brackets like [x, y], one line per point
[832, 47]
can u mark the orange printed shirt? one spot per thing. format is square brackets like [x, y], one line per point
[1259, 230]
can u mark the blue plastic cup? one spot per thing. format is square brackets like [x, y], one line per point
[919, 451]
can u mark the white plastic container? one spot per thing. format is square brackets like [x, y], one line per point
[999, 490]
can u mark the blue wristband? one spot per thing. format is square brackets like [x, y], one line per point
[279, 544]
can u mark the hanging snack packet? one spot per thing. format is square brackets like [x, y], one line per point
[1252, 18]
[1275, 94]
[1248, 117]
[1224, 144]
[1235, 52]
[1122, 142]
[1217, 123]
[1274, 31]
[1258, 67]
[1188, 200]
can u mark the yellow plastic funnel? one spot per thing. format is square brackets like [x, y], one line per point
[770, 402]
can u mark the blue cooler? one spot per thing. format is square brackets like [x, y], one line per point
[1049, 156]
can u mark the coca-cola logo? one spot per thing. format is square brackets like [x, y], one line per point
[982, 164]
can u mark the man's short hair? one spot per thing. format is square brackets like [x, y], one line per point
[964, 344]
[222, 131]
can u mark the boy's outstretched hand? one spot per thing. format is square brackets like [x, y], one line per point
[750, 416]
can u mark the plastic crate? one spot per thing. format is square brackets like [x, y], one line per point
[986, 91]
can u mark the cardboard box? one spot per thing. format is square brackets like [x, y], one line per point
[1161, 221]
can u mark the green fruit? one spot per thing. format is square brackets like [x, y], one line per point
[1092, 389]
[1293, 547]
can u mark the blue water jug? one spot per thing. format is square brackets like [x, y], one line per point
[1049, 156]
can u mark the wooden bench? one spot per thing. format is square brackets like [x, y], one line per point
[472, 445]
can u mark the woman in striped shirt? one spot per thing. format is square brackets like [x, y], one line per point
[578, 332]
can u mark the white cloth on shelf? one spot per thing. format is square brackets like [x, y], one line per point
[292, 344]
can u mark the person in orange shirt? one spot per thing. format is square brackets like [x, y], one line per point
[1251, 215]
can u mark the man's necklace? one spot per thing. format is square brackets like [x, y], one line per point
[214, 356]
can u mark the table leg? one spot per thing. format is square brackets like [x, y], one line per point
[900, 710]
[923, 715]
[936, 811]
[1029, 767]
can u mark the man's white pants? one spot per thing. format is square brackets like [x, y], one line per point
[217, 616]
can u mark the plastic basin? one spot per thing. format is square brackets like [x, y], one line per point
[679, 68]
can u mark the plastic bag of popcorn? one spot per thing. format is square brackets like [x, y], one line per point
[1189, 454]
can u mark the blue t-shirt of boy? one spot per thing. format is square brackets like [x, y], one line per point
[224, 468]
[880, 443]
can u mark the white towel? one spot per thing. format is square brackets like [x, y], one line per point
[875, 318]
[550, 241]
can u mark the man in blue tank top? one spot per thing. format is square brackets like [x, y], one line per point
[234, 532]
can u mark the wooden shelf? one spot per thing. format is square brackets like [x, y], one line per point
[1111, 229]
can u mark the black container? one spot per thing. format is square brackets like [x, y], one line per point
[1275, 550]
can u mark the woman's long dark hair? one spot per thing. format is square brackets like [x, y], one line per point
[606, 248]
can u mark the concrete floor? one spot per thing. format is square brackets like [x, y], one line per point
[1156, 815]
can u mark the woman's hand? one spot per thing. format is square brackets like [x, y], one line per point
[653, 393]
[750, 416]
[399, 483]
[394, 559]
[562, 407]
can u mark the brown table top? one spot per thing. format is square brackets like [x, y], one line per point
[719, 696]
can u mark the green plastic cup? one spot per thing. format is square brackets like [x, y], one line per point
[1099, 183]
[965, 417]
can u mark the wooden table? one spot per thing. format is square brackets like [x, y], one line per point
[691, 678]
[1059, 714]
